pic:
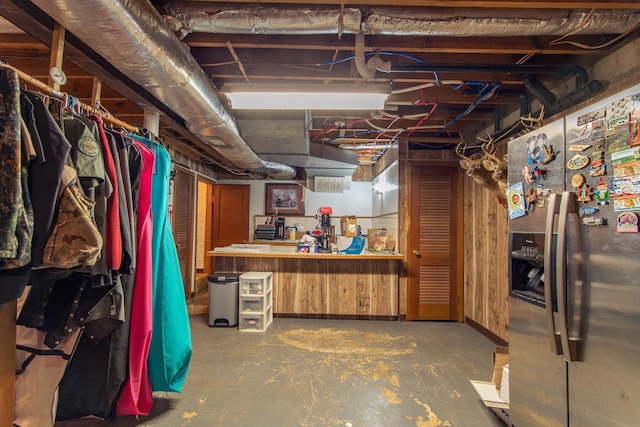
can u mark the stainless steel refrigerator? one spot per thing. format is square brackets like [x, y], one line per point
[574, 270]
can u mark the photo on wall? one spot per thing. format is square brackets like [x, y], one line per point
[283, 199]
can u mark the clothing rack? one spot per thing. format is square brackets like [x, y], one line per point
[70, 101]
[8, 310]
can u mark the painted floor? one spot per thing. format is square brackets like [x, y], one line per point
[328, 373]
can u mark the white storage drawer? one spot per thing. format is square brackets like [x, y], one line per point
[255, 301]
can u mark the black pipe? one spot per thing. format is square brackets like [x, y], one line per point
[537, 89]
[525, 105]
[581, 74]
[571, 99]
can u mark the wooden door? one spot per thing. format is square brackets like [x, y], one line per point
[435, 261]
[230, 214]
[183, 204]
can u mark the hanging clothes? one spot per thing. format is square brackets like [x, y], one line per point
[113, 237]
[136, 397]
[38, 372]
[170, 350]
[15, 232]
[45, 172]
[16, 212]
[100, 187]
[108, 357]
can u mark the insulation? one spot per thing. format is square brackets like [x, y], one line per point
[158, 61]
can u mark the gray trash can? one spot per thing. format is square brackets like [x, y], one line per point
[223, 299]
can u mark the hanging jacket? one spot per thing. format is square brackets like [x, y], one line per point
[170, 350]
[136, 397]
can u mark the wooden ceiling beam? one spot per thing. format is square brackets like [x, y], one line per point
[413, 79]
[519, 45]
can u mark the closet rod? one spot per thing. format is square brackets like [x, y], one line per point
[63, 96]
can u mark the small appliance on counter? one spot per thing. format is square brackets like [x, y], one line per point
[324, 215]
[274, 229]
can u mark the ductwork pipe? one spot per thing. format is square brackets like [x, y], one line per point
[197, 17]
[367, 70]
[261, 19]
[132, 33]
[580, 73]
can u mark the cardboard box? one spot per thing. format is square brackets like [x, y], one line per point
[500, 359]
[504, 384]
[350, 245]
[492, 396]
[349, 226]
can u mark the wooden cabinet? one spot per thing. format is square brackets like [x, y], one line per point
[328, 286]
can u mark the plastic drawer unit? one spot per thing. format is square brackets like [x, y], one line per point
[255, 301]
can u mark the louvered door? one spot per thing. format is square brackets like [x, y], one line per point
[435, 264]
[183, 225]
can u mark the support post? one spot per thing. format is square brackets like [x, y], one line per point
[152, 121]
[57, 52]
[7, 362]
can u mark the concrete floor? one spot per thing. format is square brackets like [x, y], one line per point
[328, 373]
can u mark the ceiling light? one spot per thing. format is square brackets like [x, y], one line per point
[305, 97]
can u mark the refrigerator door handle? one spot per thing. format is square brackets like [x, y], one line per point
[552, 210]
[569, 345]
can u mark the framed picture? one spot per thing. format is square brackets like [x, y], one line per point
[283, 199]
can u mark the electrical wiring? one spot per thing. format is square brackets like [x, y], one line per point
[381, 152]
[585, 46]
[584, 22]
[382, 52]
[434, 106]
[347, 124]
[363, 132]
[471, 107]
[426, 85]
[372, 53]
[401, 129]
[408, 116]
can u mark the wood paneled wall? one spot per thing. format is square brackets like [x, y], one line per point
[486, 286]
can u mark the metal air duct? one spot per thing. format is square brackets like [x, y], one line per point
[132, 33]
[187, 17]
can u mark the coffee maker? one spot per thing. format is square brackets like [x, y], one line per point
[324, 216]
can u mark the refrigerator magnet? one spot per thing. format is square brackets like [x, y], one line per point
[549, 154]
[627, 222]
[515, 200]
[587, 211]
[577, 180]
[594, 220]
[577, 162]
[585, 193]
[578, 147]
[602, 192]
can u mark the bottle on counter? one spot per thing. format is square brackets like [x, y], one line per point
[292, 233]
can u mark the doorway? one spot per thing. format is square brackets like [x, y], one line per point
[230, 207]
[435, 244]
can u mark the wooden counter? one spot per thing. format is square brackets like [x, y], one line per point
[323, 285]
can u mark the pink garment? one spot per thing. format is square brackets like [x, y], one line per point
[136, 396]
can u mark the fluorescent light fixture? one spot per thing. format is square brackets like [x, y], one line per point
[258, 96]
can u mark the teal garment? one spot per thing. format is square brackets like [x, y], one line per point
[170, 350]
